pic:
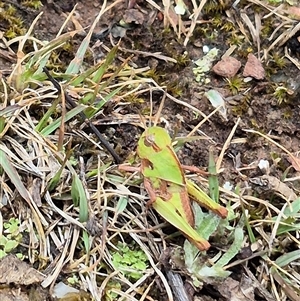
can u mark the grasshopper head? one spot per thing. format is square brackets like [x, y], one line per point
[153, 140]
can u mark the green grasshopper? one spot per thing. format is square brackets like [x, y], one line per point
[167, 186]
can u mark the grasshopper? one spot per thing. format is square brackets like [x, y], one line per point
[168, 188]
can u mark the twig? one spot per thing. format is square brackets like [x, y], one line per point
[73, 104]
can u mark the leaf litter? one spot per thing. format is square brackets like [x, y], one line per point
[86, 206]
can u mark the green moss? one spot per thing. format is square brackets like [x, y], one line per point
[281, 94]
[242, 107]
[228, 26]
[11, 21]
[267, 28]
[244, 50]
[217, 21]
[278, 60]
[183, 60]
[35, 4]
[152, 73]
[133, 99]
[235, 39]
[235, 84]
[287, 114]
[174, 89]
[11, 10]
[254, 123]
[212, 6]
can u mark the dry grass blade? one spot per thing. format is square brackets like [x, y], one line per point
[58, 267]
[157, 55]
[194, 17]
[159, 273]
[254, 31]
[15, 179]
[284, 37]
[226, 145]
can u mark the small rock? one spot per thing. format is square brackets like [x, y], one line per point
[13, 270]
[227, 67]
[254, 68]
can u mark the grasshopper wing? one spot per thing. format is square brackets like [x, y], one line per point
[170, 213]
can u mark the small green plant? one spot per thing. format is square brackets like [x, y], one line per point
[11, 237]
[228, 26]
[279, 60]
[174, 89]
[235, 84]
[217, 20]
[130, 261]
[204, 64]
[73, 280]
[281, 94]
[35, 4]
[235, 39]
[11, 21]
[203, 270]
[275, 1]
[213, 7]
[110, 289]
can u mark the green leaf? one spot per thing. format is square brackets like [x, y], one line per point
[131, 263]
[216, 101]
[90, 112]
[79, 198]
[56, 124]
[13, 175]
[44, 120]
[12, 226]
[213, 272]
[213, 179]
[86, 241]
[234, 248]
[2, 254]
[47, 49]
[3, 240]
[75, 193]
[10, 245]
[292, 209]
[288, 228]
[287, 258]
[2, 123]
[208, 225]
[107, 63]
[79, 80]
[55, 180]
[122, 204]
[180, 7]
[190, 254]
[292, 213]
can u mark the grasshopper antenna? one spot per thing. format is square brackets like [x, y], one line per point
[161, 105]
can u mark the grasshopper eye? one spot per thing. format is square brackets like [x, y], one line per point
[149, 141]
